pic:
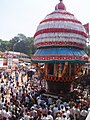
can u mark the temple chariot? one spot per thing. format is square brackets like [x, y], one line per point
[60, 40]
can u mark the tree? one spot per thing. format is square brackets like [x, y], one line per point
[21, 43]
[3, 45]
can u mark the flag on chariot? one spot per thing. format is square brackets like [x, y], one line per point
[86, 26]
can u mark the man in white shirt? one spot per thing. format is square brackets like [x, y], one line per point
[50, 116]
[55, 110]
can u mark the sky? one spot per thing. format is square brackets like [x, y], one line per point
[23, 16]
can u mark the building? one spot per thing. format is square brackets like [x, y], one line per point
[9, 58]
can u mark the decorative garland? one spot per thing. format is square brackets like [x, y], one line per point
[60, 19]
[60, 79]
[64, 12]
[61, 39]
[61, 58]
[56, 43]
[60, 14]
[60, 24]
[60, 34]
[53, 30]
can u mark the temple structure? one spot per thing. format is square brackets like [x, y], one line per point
[60, 40]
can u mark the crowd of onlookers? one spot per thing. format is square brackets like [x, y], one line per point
[24, 100]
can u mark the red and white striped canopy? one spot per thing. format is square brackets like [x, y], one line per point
[60, 28]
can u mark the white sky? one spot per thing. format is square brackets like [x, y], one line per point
[23, 16]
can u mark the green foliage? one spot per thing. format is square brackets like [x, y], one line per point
[3, 45]
[19, 43]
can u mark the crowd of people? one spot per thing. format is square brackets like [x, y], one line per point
[22, 98]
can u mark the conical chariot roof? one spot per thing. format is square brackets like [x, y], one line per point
[60, 37]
